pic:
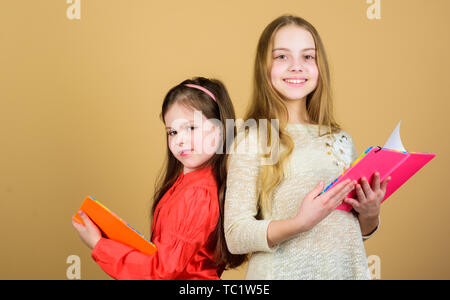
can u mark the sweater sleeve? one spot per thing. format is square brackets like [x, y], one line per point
[188, 229]
[243, 232]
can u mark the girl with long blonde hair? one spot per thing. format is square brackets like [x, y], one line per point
[274, 209]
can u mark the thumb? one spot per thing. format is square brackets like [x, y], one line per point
[87, 221]
[317, 190]
[319, 186]
[77, 225]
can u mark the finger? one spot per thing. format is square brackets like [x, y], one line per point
[317, 190]
[339, 187]
[77, 225]
[338, 197]
[80, 228]
[376, 181]
[383, 188]
[339, 202]
[348, 190]
[87, 221]
[319, 187]
[384, 184]
[360, 193]
[365, 186]
[352, 202]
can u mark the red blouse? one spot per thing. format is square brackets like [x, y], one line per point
[183, 220]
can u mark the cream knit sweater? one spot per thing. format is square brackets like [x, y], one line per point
[333, 249]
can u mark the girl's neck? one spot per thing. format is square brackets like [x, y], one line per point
[187, 170]
[297, 111]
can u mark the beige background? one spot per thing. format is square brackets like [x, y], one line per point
[80, 101]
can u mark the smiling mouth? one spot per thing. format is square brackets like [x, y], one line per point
[295, 81]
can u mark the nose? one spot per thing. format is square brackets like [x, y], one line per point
[179, 139]
[183, 137]
[296, 66]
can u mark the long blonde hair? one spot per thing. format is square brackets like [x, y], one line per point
[267, 104]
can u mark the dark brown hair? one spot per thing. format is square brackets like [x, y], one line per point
[221, 110]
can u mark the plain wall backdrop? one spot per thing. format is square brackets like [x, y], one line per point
[80, 102]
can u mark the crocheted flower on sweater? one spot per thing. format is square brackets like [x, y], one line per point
[339, 146]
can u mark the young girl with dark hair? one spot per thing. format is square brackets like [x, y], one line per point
[187, 226]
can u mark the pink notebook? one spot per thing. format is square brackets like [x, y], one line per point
[391, 160]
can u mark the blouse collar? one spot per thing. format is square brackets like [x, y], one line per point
[195, 174]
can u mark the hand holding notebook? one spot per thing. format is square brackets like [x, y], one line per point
[390, 160]
[89, 233]
[112, 226]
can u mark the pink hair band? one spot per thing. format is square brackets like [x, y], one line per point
[195, 86]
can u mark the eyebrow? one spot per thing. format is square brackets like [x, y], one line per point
[188, 122]
[286, 49]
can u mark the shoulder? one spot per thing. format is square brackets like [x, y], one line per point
[245, 152]
[343, 145]
[198, 196]
[343, 137]
[205, 181]
[194, 211]
[252, 140]
[246, 138]
[192, 207]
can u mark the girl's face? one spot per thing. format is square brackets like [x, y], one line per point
[294, 73]
[192, 138]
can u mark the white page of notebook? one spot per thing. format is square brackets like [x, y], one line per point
[394, 142]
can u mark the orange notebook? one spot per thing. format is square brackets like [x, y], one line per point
[114, 227]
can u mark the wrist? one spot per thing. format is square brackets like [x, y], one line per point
[279, 231]
[298, 225]
[368, 224]
[94, 243]
[368, 218]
